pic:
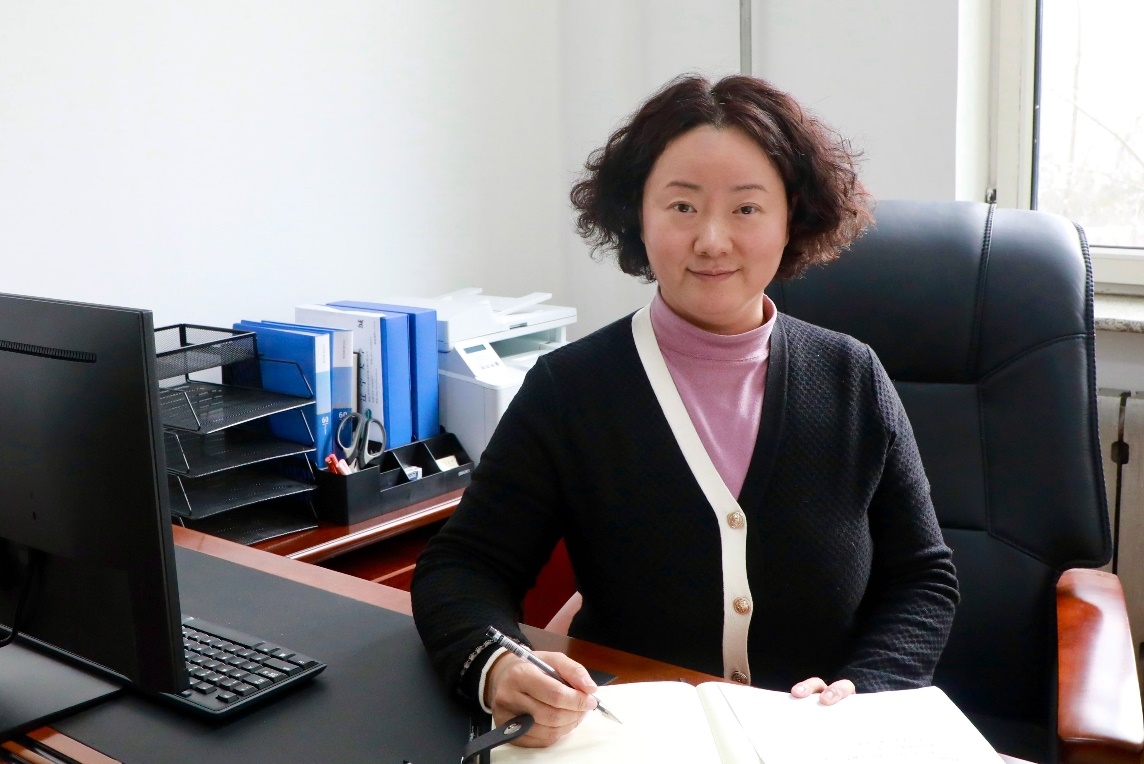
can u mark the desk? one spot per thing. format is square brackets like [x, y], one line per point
[384, 550]
[625, 666]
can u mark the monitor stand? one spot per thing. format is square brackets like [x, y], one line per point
[35, 688]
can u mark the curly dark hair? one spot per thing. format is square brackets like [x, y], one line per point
[829, 205]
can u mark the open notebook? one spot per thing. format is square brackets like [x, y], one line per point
[730, 724]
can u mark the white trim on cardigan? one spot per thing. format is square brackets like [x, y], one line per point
[732, 534]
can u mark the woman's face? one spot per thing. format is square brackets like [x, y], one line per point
[714, 222]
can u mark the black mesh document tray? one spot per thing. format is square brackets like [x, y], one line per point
[206, 407]
[202, 497]
[193, 455]
[183, 349]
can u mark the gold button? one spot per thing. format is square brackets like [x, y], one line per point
[739, 677]
[742, 605]
[736, 520]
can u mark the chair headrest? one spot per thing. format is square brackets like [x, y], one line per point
[972, 287]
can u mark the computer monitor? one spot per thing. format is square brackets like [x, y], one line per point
[85, 530]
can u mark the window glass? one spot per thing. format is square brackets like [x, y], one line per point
[1090, 163]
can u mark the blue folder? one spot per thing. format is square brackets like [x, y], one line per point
[297, 362]
[423, 362]
[343, 396]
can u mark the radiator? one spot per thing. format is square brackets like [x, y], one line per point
[1121, 414]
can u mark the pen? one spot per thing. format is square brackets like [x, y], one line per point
[522, 652]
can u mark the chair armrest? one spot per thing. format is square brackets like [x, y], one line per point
[1099, 716]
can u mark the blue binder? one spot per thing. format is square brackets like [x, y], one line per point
[343, 396]
[279, 350]
[423, 362]
[396, 378]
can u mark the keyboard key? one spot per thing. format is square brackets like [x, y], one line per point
[233, 648]
[211, 665]
[196, 659]
[226, 697]
[227, 683]
[267, 648]
[186, 693]
[289, 669]
[198, 672]
[258, 682]
[304, 661]
[202, 687]
[243, 689]
[271, 674]
[234, 660]
[246, 653]
[212, 677]
[281, 654]
[250, 666]
[236, 673]
[210, 652]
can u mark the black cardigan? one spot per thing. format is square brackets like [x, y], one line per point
[848, 571]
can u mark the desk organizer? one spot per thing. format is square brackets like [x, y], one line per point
[221, 453]
[349, 499]
[187, 348]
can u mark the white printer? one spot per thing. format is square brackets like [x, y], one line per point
[485, 345]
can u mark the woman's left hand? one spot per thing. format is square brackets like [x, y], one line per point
[831, 694]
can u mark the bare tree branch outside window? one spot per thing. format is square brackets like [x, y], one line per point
[1091, 163]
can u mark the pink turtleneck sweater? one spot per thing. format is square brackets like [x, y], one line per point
[721, 379]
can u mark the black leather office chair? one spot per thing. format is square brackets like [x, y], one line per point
[983, 319]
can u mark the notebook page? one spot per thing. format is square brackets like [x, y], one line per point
[873, 728]
[730, 738]
[663, 722]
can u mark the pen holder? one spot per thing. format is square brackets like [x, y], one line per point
[344, 499]
[349, 499]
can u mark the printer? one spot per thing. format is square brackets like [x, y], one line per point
[485, 345]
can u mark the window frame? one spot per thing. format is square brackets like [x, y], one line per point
[1014, 84]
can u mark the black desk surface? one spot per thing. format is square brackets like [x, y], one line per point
[378, 701]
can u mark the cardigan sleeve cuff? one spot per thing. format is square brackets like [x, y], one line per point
[472, 672]
[484, 674]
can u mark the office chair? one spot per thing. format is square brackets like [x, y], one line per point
[983, 319]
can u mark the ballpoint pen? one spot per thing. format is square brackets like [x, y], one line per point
[522, 652]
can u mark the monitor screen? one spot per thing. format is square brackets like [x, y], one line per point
[85, 532]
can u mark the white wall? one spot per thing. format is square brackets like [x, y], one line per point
[974, 48]
[882, 72]
[222, 159]
[226, 159]
[1120, 361]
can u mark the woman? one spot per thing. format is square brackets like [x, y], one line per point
[740, 492]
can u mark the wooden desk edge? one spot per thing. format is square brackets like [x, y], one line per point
[293, 570]
[328, 541]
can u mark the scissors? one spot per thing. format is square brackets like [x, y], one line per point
[360, 429]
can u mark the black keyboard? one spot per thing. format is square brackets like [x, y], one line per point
[231, 671]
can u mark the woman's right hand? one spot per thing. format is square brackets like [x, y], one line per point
[514, 687]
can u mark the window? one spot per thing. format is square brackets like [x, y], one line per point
[1085, 124]
[1089, 163]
